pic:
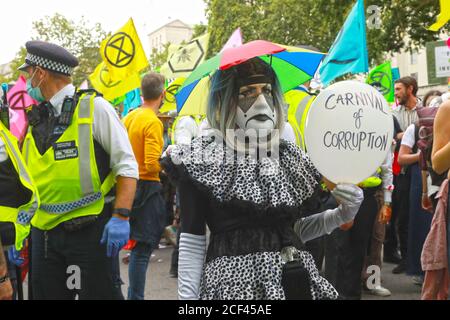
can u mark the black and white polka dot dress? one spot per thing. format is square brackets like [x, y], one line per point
[250, 207]
[257, 276]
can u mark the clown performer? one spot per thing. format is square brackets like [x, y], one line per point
[249, 187]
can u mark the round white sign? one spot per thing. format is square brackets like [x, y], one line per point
[349, 132]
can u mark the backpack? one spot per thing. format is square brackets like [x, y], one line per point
[424, 142]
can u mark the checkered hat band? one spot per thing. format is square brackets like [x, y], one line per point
[49, 64]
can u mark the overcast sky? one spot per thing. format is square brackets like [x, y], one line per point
[17, 16]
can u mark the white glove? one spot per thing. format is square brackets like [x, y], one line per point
[167, 152]
[350, 198]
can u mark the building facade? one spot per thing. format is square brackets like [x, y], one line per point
[174, 32]
[425, 64]
[5, 70]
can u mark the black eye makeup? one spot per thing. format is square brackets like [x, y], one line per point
[245, 103]
[267, 89]
[248, 96]
[248, 92]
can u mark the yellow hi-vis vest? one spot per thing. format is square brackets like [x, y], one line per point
[21, 216]
[66, 175]
[299, 104]
[372, 182]
[197, 119]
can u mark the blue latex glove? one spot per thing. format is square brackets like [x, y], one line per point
[14, 256]
[115, 235]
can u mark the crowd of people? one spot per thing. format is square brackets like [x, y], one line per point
[85, 184]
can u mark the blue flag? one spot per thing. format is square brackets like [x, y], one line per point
[349, 51]
[132, 101]
[395, 74]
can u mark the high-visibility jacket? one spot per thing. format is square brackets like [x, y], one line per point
[299, 104]
[66, 175]
[21, 216]
[372, 182]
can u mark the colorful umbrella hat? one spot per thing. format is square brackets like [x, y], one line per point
[197, 102]
[293, 66]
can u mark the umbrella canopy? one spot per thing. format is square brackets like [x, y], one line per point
[293, 66]
[196, 101]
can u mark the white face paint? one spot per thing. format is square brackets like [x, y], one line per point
[256, 109]
[255, 131]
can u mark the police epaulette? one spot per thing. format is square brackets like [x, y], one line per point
[80, 92]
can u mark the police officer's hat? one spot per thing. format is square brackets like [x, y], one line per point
[49, 56]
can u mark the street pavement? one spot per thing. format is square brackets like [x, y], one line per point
[160, 286]
[401, 286]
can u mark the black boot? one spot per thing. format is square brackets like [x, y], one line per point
[392, 257]
[401, 268]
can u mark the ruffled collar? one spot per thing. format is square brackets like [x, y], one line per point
[285, 181]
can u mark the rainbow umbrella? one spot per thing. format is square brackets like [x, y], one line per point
[197, 102]
[293, 66]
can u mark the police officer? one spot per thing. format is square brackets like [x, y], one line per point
[299, 100]
[77, 150]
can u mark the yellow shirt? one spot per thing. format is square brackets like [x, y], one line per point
[146, 131]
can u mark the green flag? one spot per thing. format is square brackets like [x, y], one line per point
[382, 79]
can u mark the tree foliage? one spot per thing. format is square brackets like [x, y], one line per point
[15, 64]
[403, 23]
[158, 58]
[80, 38]
[199, 30]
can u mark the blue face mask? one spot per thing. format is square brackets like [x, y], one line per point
[34, 93]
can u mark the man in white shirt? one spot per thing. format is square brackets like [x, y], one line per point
[186, 129]
[406, 94]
